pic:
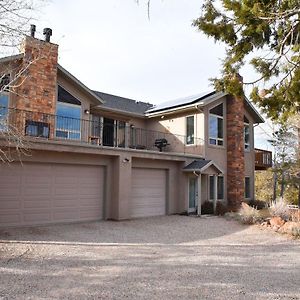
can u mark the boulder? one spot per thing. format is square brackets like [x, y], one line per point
[276, 222]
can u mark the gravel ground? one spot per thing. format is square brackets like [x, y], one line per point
[174, 257]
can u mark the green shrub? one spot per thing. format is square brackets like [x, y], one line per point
[258, 204]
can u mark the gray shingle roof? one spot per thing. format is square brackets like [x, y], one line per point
[197, 164]
[123, 104]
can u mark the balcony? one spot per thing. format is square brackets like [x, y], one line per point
[110, 133]
[263, 159]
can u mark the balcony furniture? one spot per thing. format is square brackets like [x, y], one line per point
[37, 129]
[161, 143]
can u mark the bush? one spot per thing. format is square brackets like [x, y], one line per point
[207, 208]
[296, 231]
[258, 204]
[248, 214]
[280, 209]
[221, 209]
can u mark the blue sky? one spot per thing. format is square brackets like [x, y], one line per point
[112, 46]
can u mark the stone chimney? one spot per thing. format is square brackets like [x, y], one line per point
[235, 151]
[37, 88]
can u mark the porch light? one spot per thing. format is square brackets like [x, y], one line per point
[86, 111]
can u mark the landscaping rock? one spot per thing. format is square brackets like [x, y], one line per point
[288, 227]
[276, 221]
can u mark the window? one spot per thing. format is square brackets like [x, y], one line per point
[190, 130]
[37, 129]
[220, 187]
[246, 134]
[216, 126]
[68, 121]
[3, 110]
[247, 187]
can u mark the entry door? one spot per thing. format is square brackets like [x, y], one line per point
[193, 194]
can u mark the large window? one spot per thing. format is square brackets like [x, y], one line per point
[220, 187]
[3, 110]
[68, 123]
[246, 134]
[216, 128]
[190, 130]
[247, 187]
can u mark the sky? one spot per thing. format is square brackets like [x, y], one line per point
[112, 46]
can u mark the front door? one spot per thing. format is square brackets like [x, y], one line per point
[193, 194]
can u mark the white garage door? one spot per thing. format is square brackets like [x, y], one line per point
[48, 193]
[148, 193]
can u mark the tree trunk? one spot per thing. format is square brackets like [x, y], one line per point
[282, 185]
[274, 186]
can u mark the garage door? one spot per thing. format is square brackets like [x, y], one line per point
[48, 193]
[148, 193]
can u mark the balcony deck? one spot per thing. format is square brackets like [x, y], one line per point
[263, 159]
[119, 135]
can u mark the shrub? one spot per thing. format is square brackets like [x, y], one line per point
[207, 208]
[248, 214]
[221, 209]
[295, 215]
[258, 204]
[296, 231]
[280, 209]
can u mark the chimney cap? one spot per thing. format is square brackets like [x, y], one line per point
[32, 30]
[47, 33]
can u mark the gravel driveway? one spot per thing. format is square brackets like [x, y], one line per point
[173, 257]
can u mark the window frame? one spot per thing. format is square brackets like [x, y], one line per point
[68, 131]
[216, 139]
[186, 130]
[209, 188]
[247, 146]
[6, 109]
[249, 188]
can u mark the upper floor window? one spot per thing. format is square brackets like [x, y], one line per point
[216, 130]
[68, 116]
[190, 130]
[246, 134]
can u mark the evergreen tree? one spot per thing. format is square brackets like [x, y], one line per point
[269, 29]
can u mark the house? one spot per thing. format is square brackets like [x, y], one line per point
[97, 156]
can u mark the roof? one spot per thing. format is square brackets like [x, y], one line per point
[200, 100]
[181, 101]
[11, 58]
[97, 99]
[200, 165]
[123, 104]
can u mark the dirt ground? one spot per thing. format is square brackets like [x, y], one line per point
[172, 257]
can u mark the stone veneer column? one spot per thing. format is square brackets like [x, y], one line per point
[235, 152]
[38, 83]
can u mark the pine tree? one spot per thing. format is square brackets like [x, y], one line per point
[269, 29]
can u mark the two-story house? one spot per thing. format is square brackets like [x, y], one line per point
[97, 156]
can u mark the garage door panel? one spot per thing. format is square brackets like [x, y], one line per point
[36, 216]
[10, 203]
[66, 214]
[148, 193]
[38, 193]
[8, 217]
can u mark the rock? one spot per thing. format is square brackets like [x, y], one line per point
[288, 227]
[277, 221]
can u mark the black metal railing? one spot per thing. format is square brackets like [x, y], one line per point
[114, 134]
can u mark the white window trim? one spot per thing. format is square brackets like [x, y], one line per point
[212, 138]
[185, 141]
